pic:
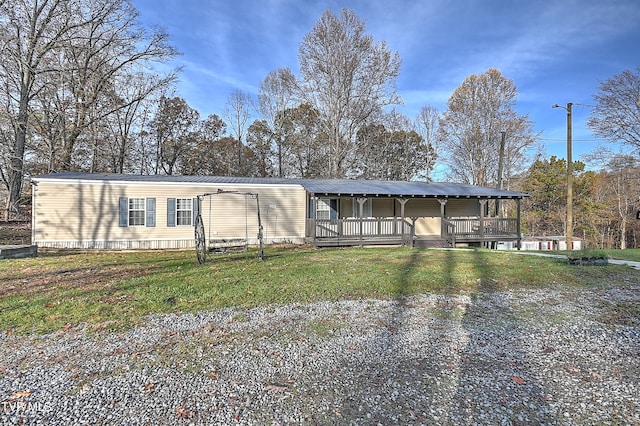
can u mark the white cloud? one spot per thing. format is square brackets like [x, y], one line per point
[555, 52]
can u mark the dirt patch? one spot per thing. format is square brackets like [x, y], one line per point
[35, 280]
[621, 313]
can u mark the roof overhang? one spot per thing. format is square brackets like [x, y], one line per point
[314, 187]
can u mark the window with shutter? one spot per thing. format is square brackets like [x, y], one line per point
[136, 211]
[184, 211]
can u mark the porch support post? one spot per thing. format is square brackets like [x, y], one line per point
[361, 201]
[402, 202]
[315, 218]
[518, 230]
[443, 227]
[483, 205]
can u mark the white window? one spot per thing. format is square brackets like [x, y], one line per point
[323, 211]
[136, 211]
[184, 211]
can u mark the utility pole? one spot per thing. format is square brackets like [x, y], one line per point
[569, 181]
[569, 177]
[500, 167]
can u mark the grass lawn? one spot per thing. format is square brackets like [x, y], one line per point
[629, 254]
[116, 290]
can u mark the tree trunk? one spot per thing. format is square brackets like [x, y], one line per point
[623, 233]
[67, 155]
[17, 158]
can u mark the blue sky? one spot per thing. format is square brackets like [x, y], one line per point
[554, 51]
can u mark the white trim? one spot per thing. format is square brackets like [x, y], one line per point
[181, 184]
[190, 210]
[323, 202]
[130, 210]
[34, 190]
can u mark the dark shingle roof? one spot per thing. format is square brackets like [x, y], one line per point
[345, 187]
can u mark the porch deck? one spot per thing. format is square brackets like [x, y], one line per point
[396, 231]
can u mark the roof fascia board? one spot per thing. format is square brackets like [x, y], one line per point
[166, 183]
[458, 196]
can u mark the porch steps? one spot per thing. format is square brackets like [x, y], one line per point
[349, 242]
[421, 242]
[430, 242]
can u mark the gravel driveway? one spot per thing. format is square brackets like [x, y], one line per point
[565, 356]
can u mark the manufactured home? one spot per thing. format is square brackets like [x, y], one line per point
[115, 211]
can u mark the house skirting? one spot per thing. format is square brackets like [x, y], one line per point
[155, 244]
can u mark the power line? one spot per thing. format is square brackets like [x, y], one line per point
[574, 140]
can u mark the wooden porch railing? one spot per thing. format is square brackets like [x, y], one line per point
[398, 231]
[480, 229]
[365, 230]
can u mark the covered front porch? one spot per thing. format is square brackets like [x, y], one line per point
[413, 222]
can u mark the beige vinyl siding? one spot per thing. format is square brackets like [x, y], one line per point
[383, 207]
[84, 214]
[422, 207]
[426, 226]
[427, 210]
[430, 207]
[346, 207]
[415, 207]
[282, 211]
[462, 208]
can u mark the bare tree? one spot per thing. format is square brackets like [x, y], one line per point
[108, 57]
[129, 102]
[471, 129]
[30, 33]
[624, 183]
[426, 124]
[616, 116]
[49, 122]
[144, 146]
[621, 173]
[73, 51]
[346, 77]
[237, 112]
[274, 97]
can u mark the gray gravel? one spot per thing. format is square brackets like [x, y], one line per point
[567, 357]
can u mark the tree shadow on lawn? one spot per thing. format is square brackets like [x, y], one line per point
[496, 381]
[385, 372]
[431, 358]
